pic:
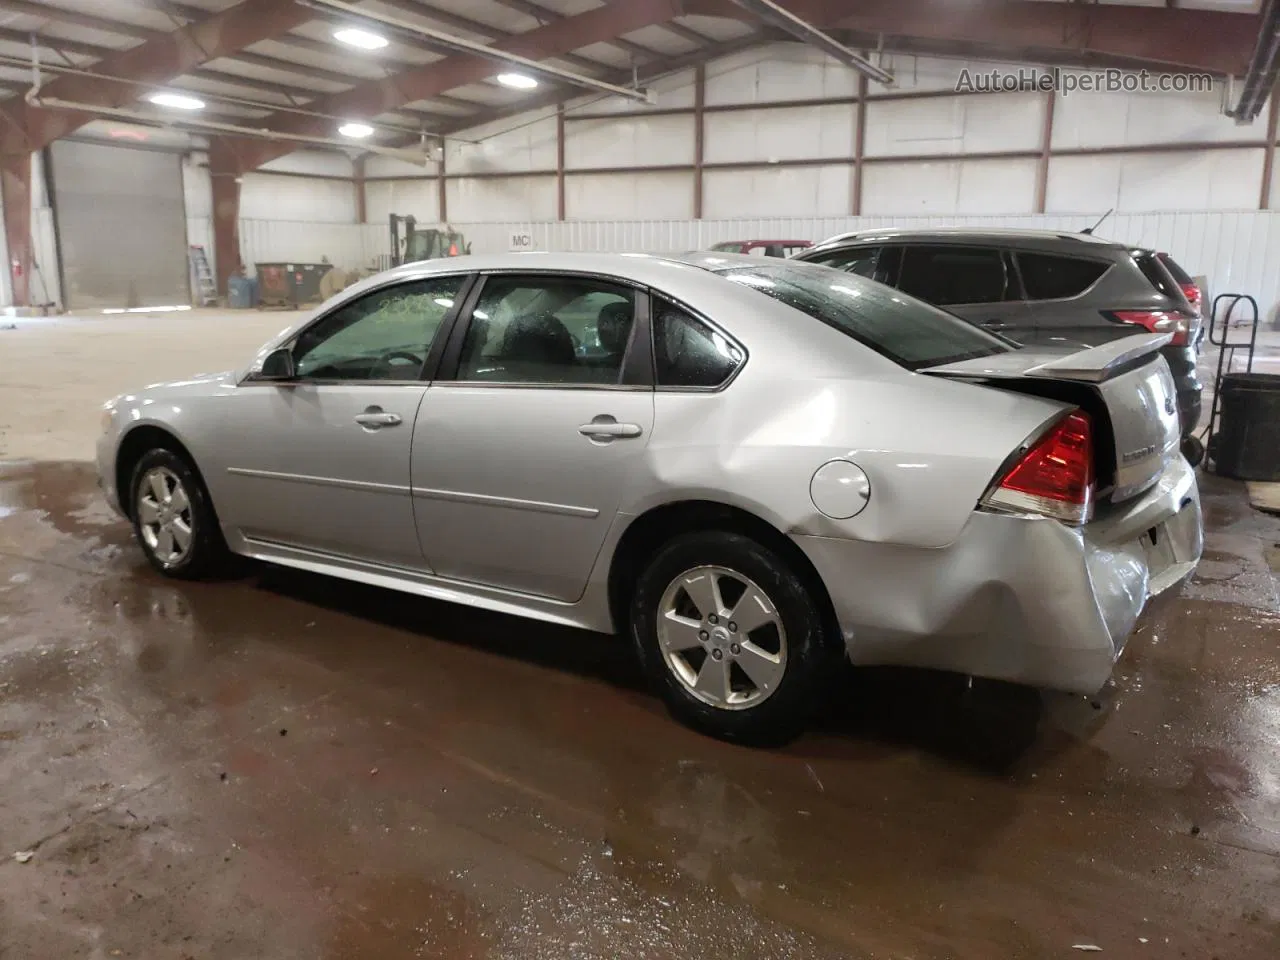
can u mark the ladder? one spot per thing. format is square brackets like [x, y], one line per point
[206, 287]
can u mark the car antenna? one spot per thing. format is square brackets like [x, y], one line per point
[1089, 230]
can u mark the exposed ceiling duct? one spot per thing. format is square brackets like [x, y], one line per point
[414, 31]
[1264, 68]
[785, 20]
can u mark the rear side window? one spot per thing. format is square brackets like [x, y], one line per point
[859, 260]
[953, 275]
[1049, 277]
[908, 332]
[689, 353]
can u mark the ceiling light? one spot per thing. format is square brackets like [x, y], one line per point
[362, 39]
[517, 80]
[356, 131]
[177, 101]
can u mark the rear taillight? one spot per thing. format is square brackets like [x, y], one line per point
[1157, 321]
[1053, 477]
[1193, 295]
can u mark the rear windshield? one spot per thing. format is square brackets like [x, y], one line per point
[1154, 271]
[908, 331]
[1179, 275]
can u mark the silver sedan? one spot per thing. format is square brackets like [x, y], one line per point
[752, 469]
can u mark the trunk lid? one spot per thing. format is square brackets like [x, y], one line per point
[1125, 385]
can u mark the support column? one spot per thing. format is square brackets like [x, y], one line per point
[1046, 151]
[1267, 198]
[560, 201]
[444, 193]
[362, 196]
[226, 214]
[699, 136]
[15, 187]
[859, 147]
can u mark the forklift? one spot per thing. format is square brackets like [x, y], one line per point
[427, 244]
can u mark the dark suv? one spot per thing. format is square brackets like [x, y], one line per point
[1040, 288]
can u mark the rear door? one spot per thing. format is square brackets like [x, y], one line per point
[524, 444]
[978, 283]
[1057, 290]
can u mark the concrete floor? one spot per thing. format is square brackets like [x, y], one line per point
[284, 766]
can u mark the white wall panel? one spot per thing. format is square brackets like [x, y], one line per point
[531, 146]
[980, 123]
[784, 71]
[628, 142]
[416, 198]
[670, 92]
[380, 166]
[501, 198]
[1199, 180]
[919, 74]
[799, 133]
[320, 162]
[265, 196]
[1129, 119]
[346, 245]
[1275, 184]
[949, 186]
[639, 196]
[776, 192]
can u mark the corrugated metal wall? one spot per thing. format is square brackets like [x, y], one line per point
[1237, 251]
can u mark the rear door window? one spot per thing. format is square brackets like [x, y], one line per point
[955, 275]
[688, 352]
[1046, 276]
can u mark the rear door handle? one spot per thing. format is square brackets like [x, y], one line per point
[375, 418]
[607, 428]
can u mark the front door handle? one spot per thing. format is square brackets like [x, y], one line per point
[606, 428]
[375, 418]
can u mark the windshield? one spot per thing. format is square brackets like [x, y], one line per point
[732, 246]
[908, 331]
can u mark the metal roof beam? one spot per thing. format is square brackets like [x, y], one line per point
[151, 63]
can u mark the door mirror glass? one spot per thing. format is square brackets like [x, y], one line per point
[278, 366]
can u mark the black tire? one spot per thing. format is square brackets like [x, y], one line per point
[207, 555]
[813, 648]
[1193, 450]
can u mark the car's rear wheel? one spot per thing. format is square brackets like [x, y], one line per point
[732, 637]
[173, 519]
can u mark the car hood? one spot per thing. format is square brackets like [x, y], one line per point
[202, 384]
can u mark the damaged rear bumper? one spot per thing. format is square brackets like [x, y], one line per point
[1017, 598]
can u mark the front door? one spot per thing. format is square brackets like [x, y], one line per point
[322, 462]
[525, 443]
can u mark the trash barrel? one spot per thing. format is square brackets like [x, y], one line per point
[242, 293]
[1247, 443]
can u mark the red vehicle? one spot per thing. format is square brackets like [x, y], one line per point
[763, 248]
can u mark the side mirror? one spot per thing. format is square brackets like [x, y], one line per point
[278, 366]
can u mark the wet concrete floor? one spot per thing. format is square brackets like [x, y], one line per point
[289, 767]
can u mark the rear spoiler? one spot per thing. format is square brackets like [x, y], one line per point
[1102, 362]
[1092, 365]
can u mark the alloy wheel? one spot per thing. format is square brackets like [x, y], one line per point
[164, 516]
[722, 637]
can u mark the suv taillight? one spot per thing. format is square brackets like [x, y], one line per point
[1054, 477]
[1193, 295]
[1156, 321]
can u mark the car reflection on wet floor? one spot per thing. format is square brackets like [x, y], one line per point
[288, 766]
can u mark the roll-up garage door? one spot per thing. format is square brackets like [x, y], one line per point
[122, 226]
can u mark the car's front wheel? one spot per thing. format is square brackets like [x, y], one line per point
[733, 637]
[173, 519]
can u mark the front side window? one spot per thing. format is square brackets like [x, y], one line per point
[1046, 276]
[384, 335]
[548, 330]
[909, 332]
[954, 275]
[688, 352]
